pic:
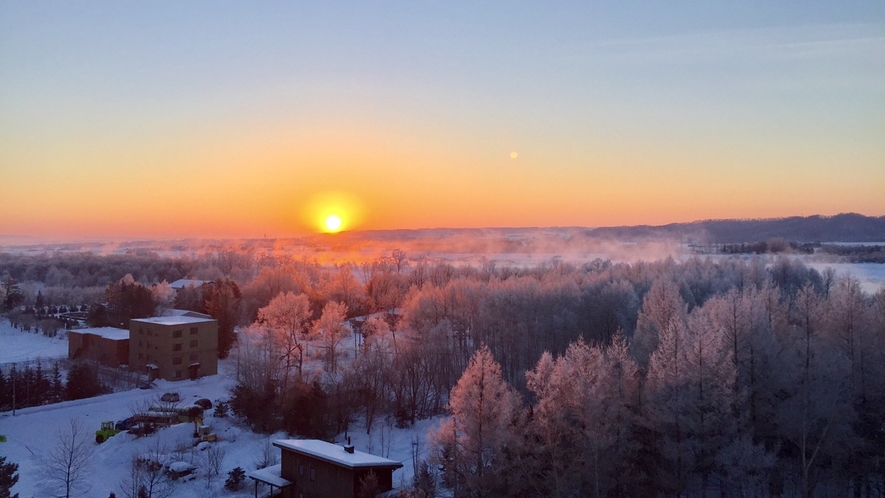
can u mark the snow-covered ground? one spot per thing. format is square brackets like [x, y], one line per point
[870, 275]
[18, 345]
[32, 433]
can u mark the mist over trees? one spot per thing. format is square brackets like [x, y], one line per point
[743, 376]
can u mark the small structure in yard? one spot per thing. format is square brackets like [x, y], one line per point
[310, 467]
[106, 345]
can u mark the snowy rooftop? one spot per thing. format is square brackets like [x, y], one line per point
[334, 453]
[111, 333]
[172, 320]
[270, 475]
[176, 312]
[183, 282]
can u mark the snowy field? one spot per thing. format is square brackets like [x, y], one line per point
[17, 345]
[870, 275]
[32, 432]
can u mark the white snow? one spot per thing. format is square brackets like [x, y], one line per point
[172, 320]
[18, 345]
[111, 333]
[334, 453]
[270, 475]
[32, 433]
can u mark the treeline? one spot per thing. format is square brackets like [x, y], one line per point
[33, 386]
[672, 378]
[771, 246]
[856, 254]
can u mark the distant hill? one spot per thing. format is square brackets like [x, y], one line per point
[849, 227]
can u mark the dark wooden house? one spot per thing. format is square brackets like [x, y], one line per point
[311, 468]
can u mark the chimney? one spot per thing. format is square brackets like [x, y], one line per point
[348, 448]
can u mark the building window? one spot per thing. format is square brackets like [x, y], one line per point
[194, 343]
[193, 331]
[195, 357]
[177, 374]
[313, 474]
[176, 360]
[176, 347]
[140, 330]
[149, 344]
[140, 356]
[139, 342]
[301, 469]
[176, 333]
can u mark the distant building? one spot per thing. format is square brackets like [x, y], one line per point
[317, 469]
[183, 282]
[174, 347]
[106, 345]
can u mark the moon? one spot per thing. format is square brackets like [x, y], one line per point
[514, 155]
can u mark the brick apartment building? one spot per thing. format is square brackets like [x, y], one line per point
[106, 345]
[177, 347]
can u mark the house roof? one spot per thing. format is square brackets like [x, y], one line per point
[177, 312]
[334, 453]
[270, 475]
[173, 320]
[111, 333]
[183, 282]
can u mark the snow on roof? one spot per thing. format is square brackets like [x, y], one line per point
[111, 333]
[334, 453]
[172, 320]
[183, 282]
[175, 312]
[270, 475]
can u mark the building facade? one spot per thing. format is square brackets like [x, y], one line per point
[310, 468]
[106, 345]
[174, 347]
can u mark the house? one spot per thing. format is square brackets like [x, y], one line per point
[183, 282]
[310, 468]
[106, 345]
[175, 346]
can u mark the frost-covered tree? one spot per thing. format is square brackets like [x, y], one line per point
[689, 400]
[470, 445]
[584, 420]
[8, 477]
[662, 308]
[332, 328]
[288, 316]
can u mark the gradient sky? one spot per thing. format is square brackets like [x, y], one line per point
[244, 119]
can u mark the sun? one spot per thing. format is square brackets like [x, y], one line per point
[332, 223]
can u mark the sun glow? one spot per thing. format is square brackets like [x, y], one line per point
[332, 223]
[332, 212]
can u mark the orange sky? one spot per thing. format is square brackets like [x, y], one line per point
[174, 132]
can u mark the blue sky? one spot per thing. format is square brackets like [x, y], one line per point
[621, 113]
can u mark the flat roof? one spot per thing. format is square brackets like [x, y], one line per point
[334, 453]
[270, 475]
[185, 282]
[173, 320]
[111, 333]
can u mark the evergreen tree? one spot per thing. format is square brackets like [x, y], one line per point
[57, 388]
[82, 382]
[8, 477]
[222, 299]
[471, 444]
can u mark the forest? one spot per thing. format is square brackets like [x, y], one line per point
[743, 376]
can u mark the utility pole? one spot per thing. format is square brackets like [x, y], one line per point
[13, 389]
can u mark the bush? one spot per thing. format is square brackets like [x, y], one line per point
[235, 479]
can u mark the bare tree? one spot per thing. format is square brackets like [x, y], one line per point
[213, 459]
[147, 477]
[67, 462]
